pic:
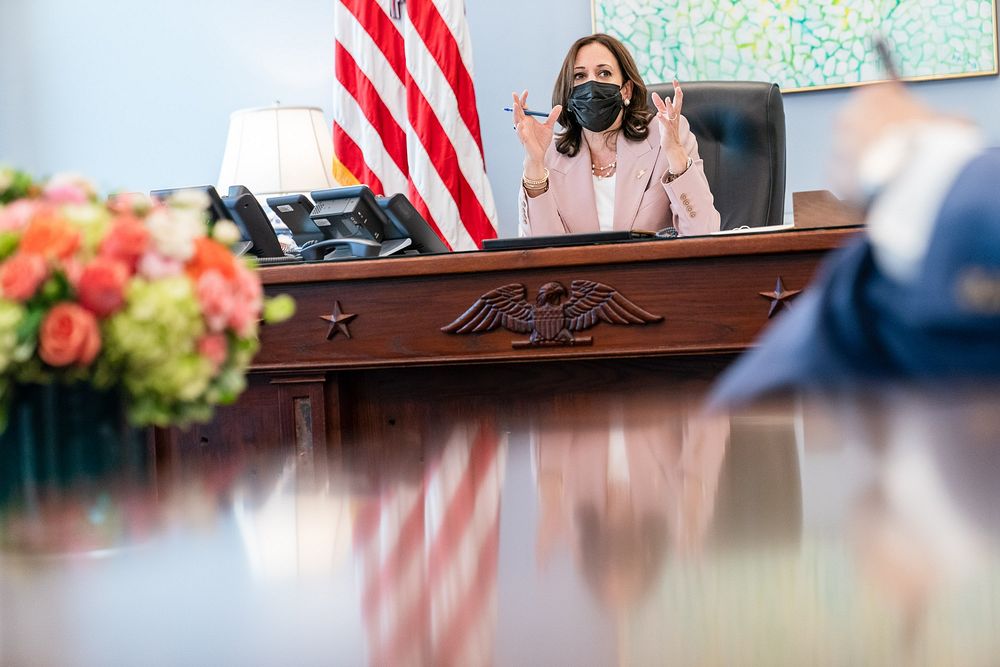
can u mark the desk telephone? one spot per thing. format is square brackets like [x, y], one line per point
[344, 223]
[353, 222]
[338, 231]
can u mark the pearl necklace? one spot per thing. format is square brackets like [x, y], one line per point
[605, 171]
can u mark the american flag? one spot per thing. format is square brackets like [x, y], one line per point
[404, 112]
[429, 556]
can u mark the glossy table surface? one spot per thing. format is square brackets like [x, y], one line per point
[595, 528]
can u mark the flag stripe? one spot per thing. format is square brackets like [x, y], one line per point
[395, 578]
[469, 610]
[440, 97]
[350, 156]
[405, 113]
[453, 14]
[460, 508]
[421, 206]
[371, 104]
[355, 125]
[425, 179]
[441, 45]
[438, 146]
[372, 60]
[382, 30]
[416, 611]
[411, 532]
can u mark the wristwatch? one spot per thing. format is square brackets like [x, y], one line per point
[671, 175]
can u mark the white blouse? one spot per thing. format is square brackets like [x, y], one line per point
[604, 195]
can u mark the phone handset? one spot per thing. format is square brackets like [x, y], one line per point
[358, 247]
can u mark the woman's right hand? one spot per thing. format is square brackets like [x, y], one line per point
[534, 136]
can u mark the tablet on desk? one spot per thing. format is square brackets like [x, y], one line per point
[557, 240]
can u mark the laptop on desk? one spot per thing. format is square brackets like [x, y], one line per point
[558, 240]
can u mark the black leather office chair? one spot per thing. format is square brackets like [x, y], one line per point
[740, 126]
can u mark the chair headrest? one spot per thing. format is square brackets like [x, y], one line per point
[740, 127]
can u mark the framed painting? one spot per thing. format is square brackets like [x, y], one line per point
[803, 44]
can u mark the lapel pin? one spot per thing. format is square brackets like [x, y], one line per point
[640, 174]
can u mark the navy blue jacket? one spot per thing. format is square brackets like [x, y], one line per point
[856, 325]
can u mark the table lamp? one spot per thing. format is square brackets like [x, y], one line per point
[277, 150]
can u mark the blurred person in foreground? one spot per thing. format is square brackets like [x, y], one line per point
[917, 297]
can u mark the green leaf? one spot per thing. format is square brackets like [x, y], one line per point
[278, 309]
[8, 244]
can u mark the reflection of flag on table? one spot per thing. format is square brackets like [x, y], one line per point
[429, 553]
[404, 112]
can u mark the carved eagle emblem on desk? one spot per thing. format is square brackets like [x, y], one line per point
[550, 320]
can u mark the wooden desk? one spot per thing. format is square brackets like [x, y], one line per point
[316, 382]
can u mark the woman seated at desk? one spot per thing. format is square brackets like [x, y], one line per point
[642, 175]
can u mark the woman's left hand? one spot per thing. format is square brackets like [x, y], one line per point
[669, 117]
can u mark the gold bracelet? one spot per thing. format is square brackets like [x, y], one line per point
[535, 184]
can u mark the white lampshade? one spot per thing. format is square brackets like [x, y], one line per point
[277, 150]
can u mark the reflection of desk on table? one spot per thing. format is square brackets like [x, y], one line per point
[708, 296]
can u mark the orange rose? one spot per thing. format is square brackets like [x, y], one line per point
[50, 236]
[21, 275]
[69, 335]
[126, 241]
[211, 255]
[101, 287]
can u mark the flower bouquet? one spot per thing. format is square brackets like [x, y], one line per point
[129, 295]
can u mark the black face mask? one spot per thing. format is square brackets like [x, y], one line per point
[596, 105]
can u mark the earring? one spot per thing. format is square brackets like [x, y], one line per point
[627, 102]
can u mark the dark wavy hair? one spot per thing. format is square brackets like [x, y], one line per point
[635, 120]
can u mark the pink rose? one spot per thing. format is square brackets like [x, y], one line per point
[130, 203]
[217, 298]
[66, 194]
[21, 275]
[249, 301]
[15, 216]
[101, 287]
[213, 347]
[68, 189]
[69, 335]
[126, 241]
[73, 269]
[155, 266]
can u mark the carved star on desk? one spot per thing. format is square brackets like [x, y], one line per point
[338, 320]
[778, 297]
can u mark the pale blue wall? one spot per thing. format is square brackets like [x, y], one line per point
[137, 94]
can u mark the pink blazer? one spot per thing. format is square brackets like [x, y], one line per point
[673, 471]
[643, 198]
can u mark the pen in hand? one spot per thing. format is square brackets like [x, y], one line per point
[885, 57]
[540, 114]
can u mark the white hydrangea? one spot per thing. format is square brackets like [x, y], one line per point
[190, 198]
[174, 230]
[226, 232]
